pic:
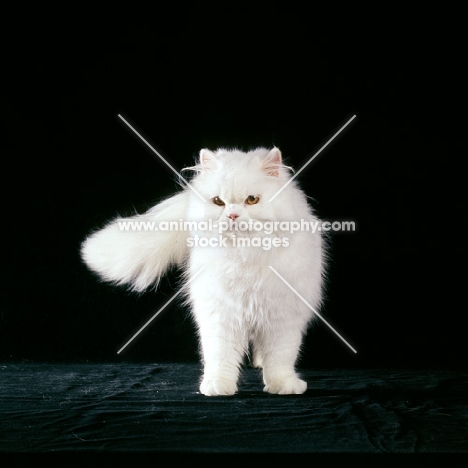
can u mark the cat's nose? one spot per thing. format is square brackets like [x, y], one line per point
[233, 216]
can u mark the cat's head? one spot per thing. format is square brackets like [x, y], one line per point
[238, 185]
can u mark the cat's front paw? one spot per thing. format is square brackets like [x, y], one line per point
[216, 387]
[289, 386]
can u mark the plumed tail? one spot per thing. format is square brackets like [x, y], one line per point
[135, 251]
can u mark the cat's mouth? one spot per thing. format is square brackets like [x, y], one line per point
[236, 224]
[238, 227]
[250, 228]
[233, 226]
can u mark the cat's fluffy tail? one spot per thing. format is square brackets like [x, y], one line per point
[134, 251]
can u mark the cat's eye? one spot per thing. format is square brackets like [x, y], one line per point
[218, 201]
[252, 200]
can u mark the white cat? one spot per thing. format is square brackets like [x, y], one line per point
[236, 299]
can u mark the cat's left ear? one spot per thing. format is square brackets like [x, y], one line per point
[272, 162]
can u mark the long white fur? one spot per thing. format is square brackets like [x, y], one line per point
[237, 301]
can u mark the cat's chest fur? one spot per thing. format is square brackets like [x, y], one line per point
[240, 278]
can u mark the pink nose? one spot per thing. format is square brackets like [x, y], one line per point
[233, 216]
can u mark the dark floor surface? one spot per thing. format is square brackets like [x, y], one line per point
[108, 408]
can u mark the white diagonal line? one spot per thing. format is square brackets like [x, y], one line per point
[310, 160]
[185, 181]
[157, 313]
[311, 308]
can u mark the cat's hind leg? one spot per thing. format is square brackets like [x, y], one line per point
[257, 360]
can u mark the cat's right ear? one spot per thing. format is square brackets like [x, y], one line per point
[272, 163]
[208, 160]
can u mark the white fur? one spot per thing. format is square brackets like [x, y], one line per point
[237, 301]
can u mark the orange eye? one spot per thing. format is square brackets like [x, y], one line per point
[252, 200]
[218, 201]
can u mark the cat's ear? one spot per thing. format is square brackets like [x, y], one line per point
[272, 163]
[208, 160]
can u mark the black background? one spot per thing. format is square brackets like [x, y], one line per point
[190, 81]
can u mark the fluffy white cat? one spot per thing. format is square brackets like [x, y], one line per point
[225, 236]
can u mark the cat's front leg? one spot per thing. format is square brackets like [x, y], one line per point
[277, 355]
[222, 357]
[217, 384]
[284, 382]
